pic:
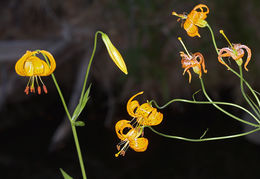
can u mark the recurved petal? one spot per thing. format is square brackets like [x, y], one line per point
[154, 118]
[19, 66]
[132, 106]
[52, 62]
[120, 126]
[114, 54]
[191, 29]
[139, 144]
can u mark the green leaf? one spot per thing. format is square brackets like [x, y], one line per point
[79, 123]
[81, 105]
[65, 175]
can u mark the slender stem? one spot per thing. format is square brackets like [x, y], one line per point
[89, 65]
[74, 132]
[244, 95]
[205, 139]
[73, 127]
[207, 102]
[249, 87]
[71, 122]
[61, 96]
[233, 71]
[222, 110]
[213, 38]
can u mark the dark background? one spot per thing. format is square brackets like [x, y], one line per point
[146, 34]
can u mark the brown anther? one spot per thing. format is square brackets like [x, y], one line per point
[122, 153]
[26, 90]
[45, 89]
[39, 90]
[117, 147]
[32, 89]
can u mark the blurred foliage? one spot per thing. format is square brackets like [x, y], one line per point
[146, 34]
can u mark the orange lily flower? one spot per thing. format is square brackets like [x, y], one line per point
[130, 139]
[32, 66]
[236, 52]
[145, 114]
[190, 61]
[196, 18]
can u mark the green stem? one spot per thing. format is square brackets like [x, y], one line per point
[244, 95]
[71, 122]
[89, 65]
[74, 132]
[213, 38]
[222, 110]
[207, 102]
[233, 71]
[205, 139]
[73, 127]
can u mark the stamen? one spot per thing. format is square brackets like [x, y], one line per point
[26, 90]
[39, 90]
[122, 151]
[179, 38]
[32, 89]
[182, 16]
[45, 89]
[43, 85]
[222, 32]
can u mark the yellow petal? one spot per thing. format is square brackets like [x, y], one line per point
[120, 126]
[139, 144]
[149, 115]
[51, 61]
[114, 54]
[133, 105]
[19, 66]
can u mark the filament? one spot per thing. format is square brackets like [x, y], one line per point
[222, 32]
[179, 38]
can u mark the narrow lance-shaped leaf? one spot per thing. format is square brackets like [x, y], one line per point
[81, 105]
[65, 175]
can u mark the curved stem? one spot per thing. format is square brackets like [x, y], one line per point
[244, 95]
[213, 38]
[233, 71]
[222, 110]
[73, 127]
[89, 65]
[207, 102]
[205, 139]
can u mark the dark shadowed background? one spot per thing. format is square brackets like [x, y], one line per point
[35, 139]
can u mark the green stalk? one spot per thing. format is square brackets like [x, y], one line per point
[244, 95]
[73, 127]
[205, 139]
[207, 102]
[222, 110]
[89, 65]
[233, 71]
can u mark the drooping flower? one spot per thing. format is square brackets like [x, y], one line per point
[114, 53]
[196, 18]
[145, 114]
[133, 138]
[236, 51]
[32, 66]
[190, 61]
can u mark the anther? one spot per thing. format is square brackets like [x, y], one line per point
[32, 89]
[39, 90]
[26, 90]
[45, 89]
